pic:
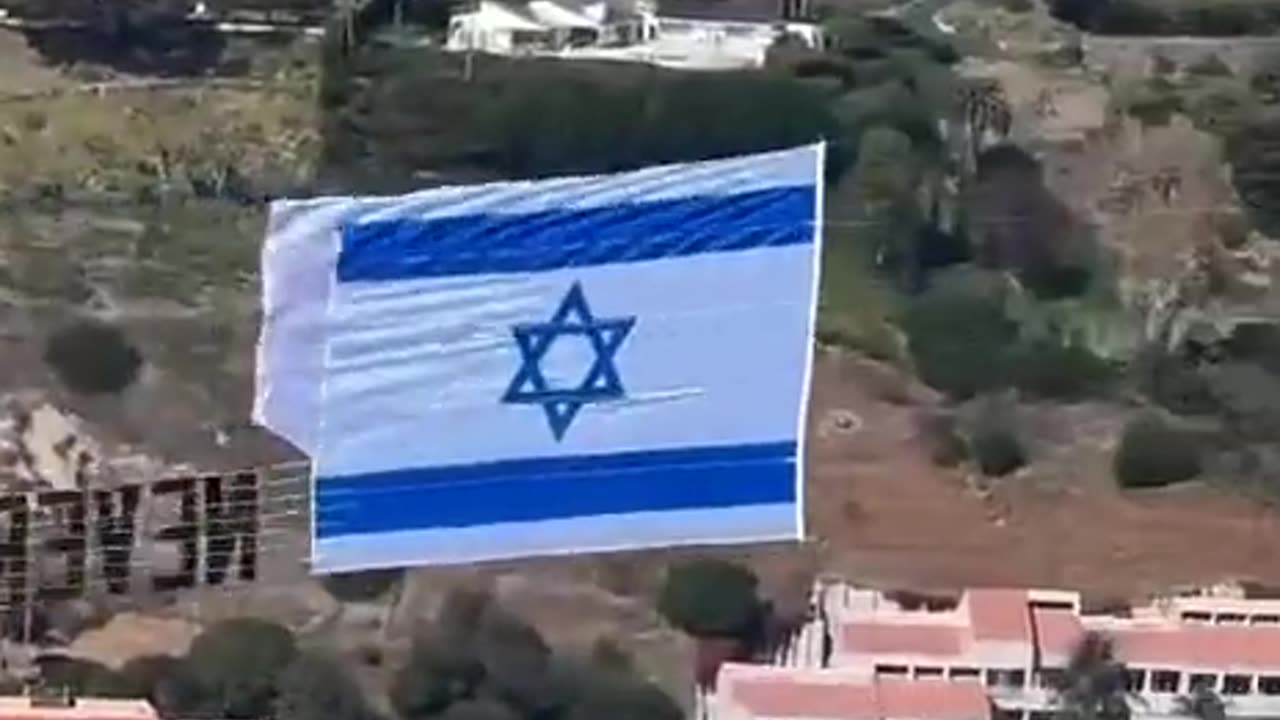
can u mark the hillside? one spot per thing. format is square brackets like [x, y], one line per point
[1000, 305]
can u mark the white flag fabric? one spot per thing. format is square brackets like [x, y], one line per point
[549, 367]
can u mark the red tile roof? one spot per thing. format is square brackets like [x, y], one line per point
[999, 615]
[871, 699]
[1200, 645]
[932, 699]
[902, 638]
[1058, 631]
[790, 699]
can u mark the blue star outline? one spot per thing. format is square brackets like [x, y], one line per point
[601, 383]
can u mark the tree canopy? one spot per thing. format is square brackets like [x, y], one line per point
[478, 661]
[708, 597]
[237, 664]
[1094, 684]
[93, 358]
[317, 687]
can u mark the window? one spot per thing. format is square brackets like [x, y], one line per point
[1135, 680]
[964, 673]
[1265, 620]
[1006, 677]
[1237, 684]
[1229, 619]
[928, 672]
[891, 669]
[1202, 681]
[1016, 678]
[1049, 678]
[1269, 684]
[1191, 616]
[1165, 681]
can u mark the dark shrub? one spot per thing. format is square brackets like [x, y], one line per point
[710, 598]
[238, 663]
[1059, 370]
[1152, 453]
[1210, 66]
[998, 452]
[365, 586]
[1176, 384]
[959, 340]
[93, 358]
[941, 436]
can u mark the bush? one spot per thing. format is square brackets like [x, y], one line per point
[959, 339]
[168, 682]
[82, 677]
[93, 358]
[622, 697]
[437, 675]
[1154, 454]
[993, 440]
[237, 663]
[318, 687]
[946, 446]
[710, 598]
[998, 451]
[1059, 370]
[1176, 384]
[363, 586]
[1210, 66]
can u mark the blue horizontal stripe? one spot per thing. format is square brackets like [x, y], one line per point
[406, 248]
[555, 488]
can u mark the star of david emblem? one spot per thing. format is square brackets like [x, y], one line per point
[601, 382]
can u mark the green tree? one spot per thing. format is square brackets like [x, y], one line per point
[1059, 368]
[238, 662]
[997, 450]
[959, 336]
[440, 672]
[708, 597]
[93, 358]
[168, 682]
[1093, 685]
[886, 177]
[516, 661]
[1152, 454]
[82, 677]
[1248, 398]
[319, 687]
[618, 696]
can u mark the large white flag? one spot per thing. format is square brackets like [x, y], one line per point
[548, 367]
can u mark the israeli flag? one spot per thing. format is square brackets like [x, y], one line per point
[552, 367]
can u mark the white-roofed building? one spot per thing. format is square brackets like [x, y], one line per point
[683, 34]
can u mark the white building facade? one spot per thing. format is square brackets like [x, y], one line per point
[1010, 644]
[636, 32]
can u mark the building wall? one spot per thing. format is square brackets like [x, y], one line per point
[1014, 642]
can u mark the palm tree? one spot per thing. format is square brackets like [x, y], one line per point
[1203, 704]
[1094, 684]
